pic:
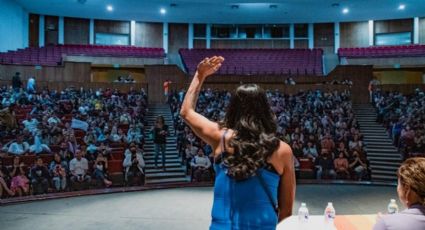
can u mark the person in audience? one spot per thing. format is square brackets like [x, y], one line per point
[411, 193]
[19, 147]
[324, 165]
[58, 169]
[38, 146]
[31, 124]
[78, 168]
[341, 166]
[39, 177]
[310, 151]
[5, 180]
[100, 170]
[358, 165]
[160, 132]
[201, 166]
[31, 85]
[16, 82]
[134, 165]
[20, 183]
[355, 144]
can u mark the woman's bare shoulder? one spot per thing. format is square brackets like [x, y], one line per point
[284, 151]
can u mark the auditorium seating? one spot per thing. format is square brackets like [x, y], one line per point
[52, 55]
[382, 51]
[258, 61]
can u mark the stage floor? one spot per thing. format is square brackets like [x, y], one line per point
[181, 208]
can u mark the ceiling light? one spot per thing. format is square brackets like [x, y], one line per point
[345, 11]
[401, 7]
[162, 11]
[109, 8]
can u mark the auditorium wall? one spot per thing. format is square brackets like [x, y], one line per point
[324, 37]
[422, 30]
[76, 31]
[14, 24]
[354, 34]
[69, 72]
[148, 34]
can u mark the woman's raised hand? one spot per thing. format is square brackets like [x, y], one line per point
[209, 66]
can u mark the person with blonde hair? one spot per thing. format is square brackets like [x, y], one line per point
[411, 192]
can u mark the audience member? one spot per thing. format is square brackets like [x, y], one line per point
[39, 175]
[201, 166]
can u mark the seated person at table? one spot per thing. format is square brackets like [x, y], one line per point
[201, 166]
[411, 192]
[39, 177]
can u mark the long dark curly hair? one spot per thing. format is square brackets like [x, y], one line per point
[250, 116]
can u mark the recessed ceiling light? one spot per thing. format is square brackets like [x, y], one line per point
[345, 11]
[401, 7]
[109, 8]
[163, 11]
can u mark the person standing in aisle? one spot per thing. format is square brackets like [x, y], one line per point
[160, 132]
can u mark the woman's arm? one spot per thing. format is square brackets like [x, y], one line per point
[205, 129]
[286, 194]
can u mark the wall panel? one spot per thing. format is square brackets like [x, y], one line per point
[76, 31]
[324, 37]
[177, 37]
[110, 26]
[422, 30]
[51, 30]
[149, 34]
[34, 21]
[393, 26]
[354, 34]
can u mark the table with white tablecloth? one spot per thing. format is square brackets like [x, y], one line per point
[342, 222]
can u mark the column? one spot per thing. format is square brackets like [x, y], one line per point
[336, 37]
[41, 31]
[310, 35]
[208, 37]
[61, 31]
[165, 36]
[371, 33]
[133, 33]
[292, 36]
[91, 32]
[416, 30]
[190, 36]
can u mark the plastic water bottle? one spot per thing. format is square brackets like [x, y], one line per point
[392, 207]
[329, 214]
[303, 213]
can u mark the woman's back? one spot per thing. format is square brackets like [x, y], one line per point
[244, 204]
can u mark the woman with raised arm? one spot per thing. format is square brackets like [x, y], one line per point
[255, 180]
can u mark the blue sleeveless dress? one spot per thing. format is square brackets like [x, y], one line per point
[243, 205]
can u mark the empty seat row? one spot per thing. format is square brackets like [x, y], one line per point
[52, 55]
[382, 51]
[258, 61]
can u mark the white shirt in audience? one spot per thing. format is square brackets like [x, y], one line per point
[79, 167]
